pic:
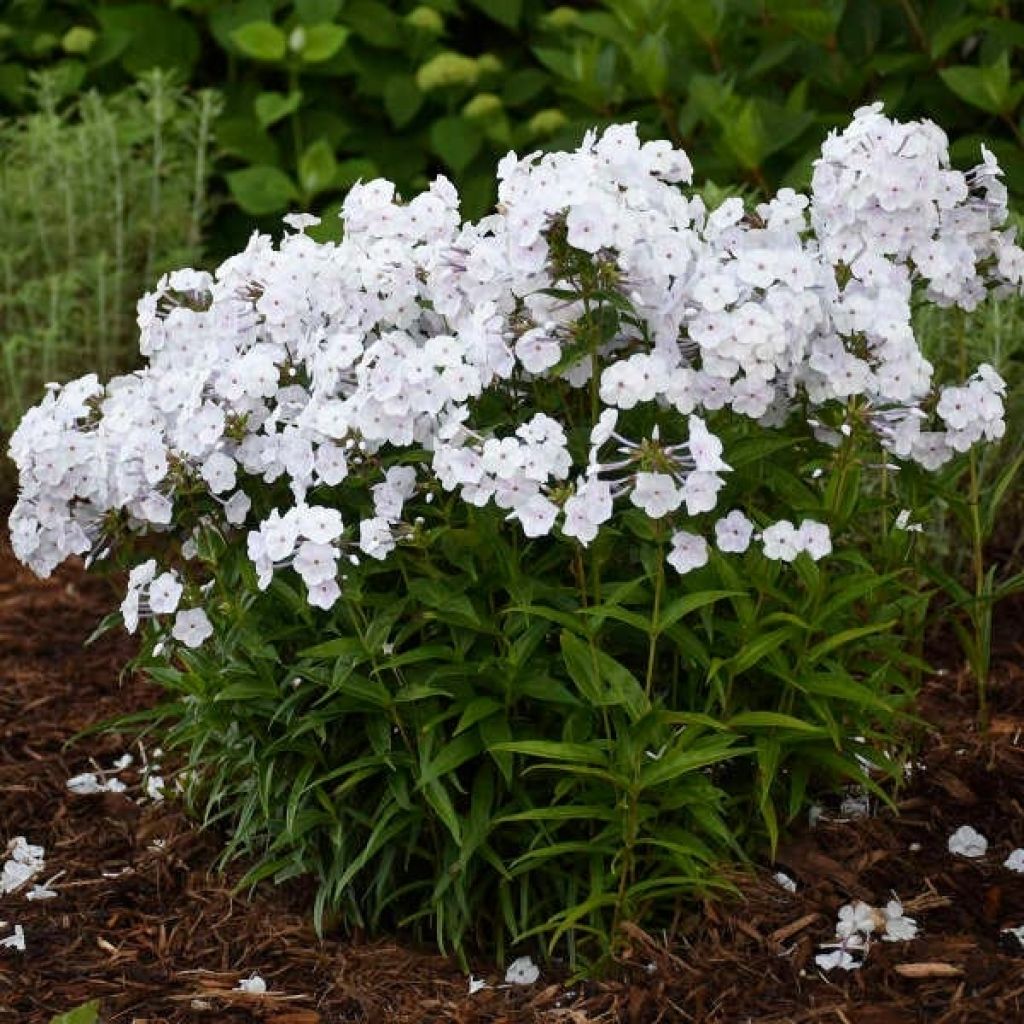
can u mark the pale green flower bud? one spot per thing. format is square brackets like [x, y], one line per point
[489, 64]
[78, 39]
[425, 19]
[546, 122]
[446, 69]
[561, 17]
[482, 106]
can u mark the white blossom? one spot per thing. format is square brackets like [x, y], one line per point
[967, 842]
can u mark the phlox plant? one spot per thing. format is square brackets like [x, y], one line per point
[507, 576]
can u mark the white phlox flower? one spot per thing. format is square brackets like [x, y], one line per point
[307, 395]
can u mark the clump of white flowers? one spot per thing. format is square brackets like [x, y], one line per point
[311, 363]
[857, 923]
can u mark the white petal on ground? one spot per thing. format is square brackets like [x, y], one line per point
[85, 784]
[967, 842]
[24, 862]
[254, 985]
[1015, 862]
[522, 972]
[476, 984]
[837, 958]
[898, 927]
[15, 941]
[785, 881]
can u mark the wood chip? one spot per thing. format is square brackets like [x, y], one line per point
[928, 970]
[780, 935]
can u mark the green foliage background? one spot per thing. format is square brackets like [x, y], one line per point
[322, 92]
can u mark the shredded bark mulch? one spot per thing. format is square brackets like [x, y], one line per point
[144, 924]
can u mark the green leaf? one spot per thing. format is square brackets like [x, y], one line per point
[252, 689]
[650, 61]
[373, 21]
[759, 649]
[769, 720]
[87, 1013]
[147, 36]
[704, 17]
[450, 607]
[985, 87]
[819, 651]
[341, 647]
[402, 99]
[551, 750]
[261, 190]
[675, 763]
[951, 32]
[322, 42]
[475, 711]
[745, 136]
[356, 169]
[456, 141]
[312, 12]
[562, 812]
[688, 603]
[453, 753]
[507, 12]
[601, 679]
[246, 138]
[261, 40]
[271, 107]
[317, 167]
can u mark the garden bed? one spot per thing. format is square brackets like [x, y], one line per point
[142, 922]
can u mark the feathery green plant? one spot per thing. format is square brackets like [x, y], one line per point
[96, 199]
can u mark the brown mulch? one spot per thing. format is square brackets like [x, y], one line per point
[142, 922]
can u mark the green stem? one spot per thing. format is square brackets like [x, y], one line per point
[652, 645]
[981, 609]
[627, 862]
[158, 110]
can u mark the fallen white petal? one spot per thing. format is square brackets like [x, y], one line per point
[522, 971]
[476, 984]
[785, 881]
[85, 784]
[15, 941]
[1015, 862]
[967, 842]
[837, 958]
[254, 985]
[15, 875]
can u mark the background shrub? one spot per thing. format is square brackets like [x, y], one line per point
[97, 197]
[322, 92]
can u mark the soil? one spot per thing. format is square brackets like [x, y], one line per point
[144, 923]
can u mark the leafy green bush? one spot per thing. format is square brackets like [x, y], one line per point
[96, 199]
[535, 680]
[320, 93]
[490, 741]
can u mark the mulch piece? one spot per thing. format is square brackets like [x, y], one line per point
[145, 924]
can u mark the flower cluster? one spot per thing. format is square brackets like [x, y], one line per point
[342, 381]
[855, 927]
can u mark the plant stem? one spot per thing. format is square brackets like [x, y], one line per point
[981, 609]
[652, 645]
